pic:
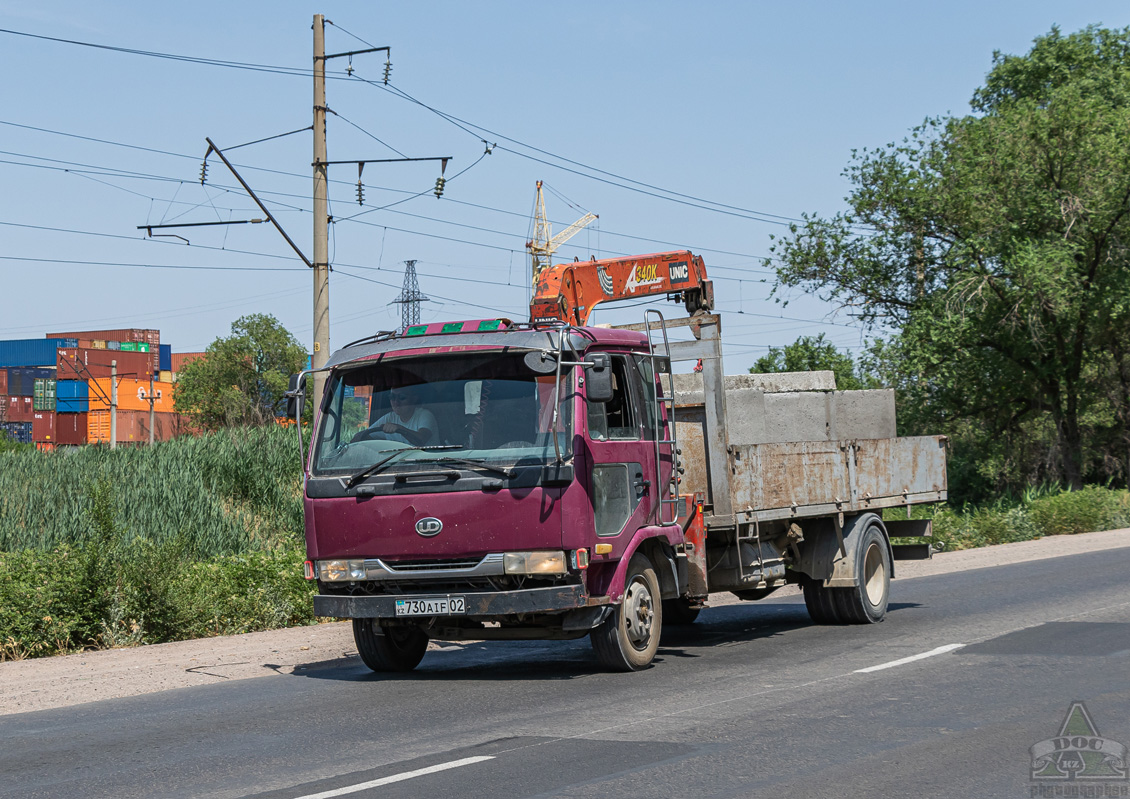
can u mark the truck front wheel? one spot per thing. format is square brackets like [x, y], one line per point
[389, 648]
[628, 639]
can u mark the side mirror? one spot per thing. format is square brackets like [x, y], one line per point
[294, 398]
[598, 377]
[541, 362]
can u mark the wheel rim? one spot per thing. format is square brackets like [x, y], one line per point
[874, 574]
[399, 637]
[639, 613]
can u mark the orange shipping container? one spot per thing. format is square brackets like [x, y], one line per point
[133, 395]
[133, 427]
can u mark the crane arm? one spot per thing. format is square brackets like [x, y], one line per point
[568, 292]
[570, 232]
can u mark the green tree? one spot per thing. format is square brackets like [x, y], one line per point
[814, 354]
[995, 245]
[241, 379]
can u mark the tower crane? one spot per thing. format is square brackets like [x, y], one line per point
[544, 243]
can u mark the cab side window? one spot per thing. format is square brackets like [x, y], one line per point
[617, 419]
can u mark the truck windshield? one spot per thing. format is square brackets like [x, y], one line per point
[485, 407]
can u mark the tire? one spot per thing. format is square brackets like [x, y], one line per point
[679, 611]
[866, 601]
[629, 638]
[818, 600]
[389, 648]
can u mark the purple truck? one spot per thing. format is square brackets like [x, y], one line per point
[493, 480]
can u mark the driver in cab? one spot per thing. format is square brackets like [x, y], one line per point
[407, 422]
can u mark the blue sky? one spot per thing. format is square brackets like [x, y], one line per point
[752, 105]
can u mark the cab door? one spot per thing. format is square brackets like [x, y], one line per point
[623, 490]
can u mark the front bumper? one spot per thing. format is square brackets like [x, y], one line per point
[479, 603]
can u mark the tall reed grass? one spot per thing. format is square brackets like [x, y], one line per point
[224, 493]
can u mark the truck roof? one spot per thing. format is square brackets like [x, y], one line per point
[482, 334]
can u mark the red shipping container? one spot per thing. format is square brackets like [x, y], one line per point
[150, 337]
[18, 409]
[70, 429]
[43, 426]
[181, 358]
[84, 364]
[3, 382]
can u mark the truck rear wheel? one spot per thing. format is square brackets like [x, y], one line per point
[628, 639]
[866, 601]
[389, 648]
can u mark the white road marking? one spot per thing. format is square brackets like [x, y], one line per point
[941, 650]
[407, 775]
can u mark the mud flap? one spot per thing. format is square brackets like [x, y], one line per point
[822, 557]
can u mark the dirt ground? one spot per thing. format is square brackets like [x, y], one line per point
[40, 684]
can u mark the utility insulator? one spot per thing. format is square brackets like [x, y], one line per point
[388, 71]
[440, 183]
[203, 171]
[360, 193]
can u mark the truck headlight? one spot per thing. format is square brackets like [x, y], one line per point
[338, 570]
[534, 562]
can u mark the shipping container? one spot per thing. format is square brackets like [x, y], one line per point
[98, 344]
[166, 377]
[43, 394]
[120, 334]
[18, 409]
[125, 335]
[32, 351]
[113, 345]
[83, 364]
[21, 381]
[19, 432]
[128, 346]
[179, 359]
[70, 429]
[73, 396]
[133, 426]
[43, 426]
[165, 358]
[45, 446]
[3, 382]
[133, 395]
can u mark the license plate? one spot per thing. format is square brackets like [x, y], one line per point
[431, 606]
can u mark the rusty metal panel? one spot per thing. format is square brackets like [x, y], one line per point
[816, 478]
[696, 476]
[892, 467]
[795, 474]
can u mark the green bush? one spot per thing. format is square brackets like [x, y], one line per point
[193, 537]
[1040, 512]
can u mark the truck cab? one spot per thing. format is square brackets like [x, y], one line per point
[491, 480]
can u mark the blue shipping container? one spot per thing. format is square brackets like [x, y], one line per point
[19, 432]
[165, 358]
[21, 382]
[72, 396]
[33, 351]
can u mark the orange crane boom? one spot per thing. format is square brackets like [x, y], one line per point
[568, 292]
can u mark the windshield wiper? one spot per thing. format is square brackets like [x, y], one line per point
[368, 470]
[478, 464]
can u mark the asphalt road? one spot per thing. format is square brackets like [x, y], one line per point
[753, 700]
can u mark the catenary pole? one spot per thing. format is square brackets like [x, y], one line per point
[113, 404]
[321, 214]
